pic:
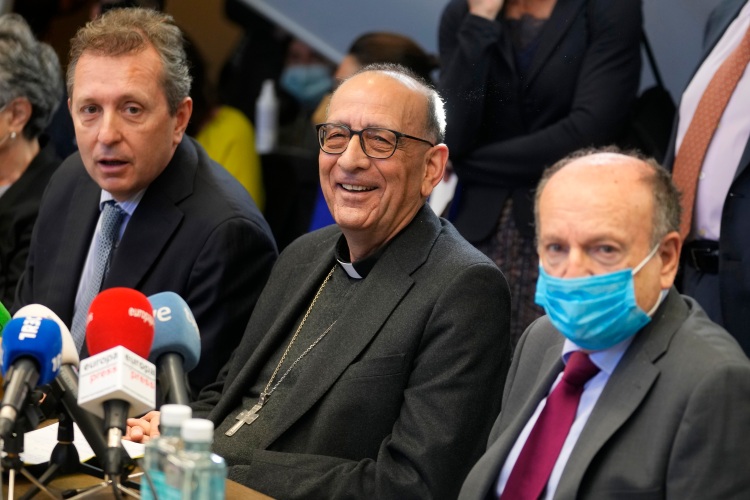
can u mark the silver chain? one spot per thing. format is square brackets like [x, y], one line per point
[269, 390]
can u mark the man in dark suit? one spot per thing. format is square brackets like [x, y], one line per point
[378, 348]
[185, 225]
[716, 190]
[664, 412]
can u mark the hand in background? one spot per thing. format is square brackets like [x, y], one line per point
[142, 430]
[485, 8]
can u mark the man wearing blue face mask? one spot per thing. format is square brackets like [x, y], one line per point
[625, 388]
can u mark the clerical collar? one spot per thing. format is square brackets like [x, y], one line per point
[360, 269]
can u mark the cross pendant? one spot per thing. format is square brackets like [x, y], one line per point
[248, 416]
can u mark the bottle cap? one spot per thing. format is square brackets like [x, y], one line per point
[197, 430]
[174, 415]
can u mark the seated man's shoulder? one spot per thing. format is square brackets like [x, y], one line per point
[707, 345]
[452, 255]
[217, 197]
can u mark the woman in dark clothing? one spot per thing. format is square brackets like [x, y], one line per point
[31, 88]
[527, 82]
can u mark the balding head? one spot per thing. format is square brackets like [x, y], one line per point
[599, 212]
[665, 216]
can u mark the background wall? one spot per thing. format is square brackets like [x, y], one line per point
[202, 20]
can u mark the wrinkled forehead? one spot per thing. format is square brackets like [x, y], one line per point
[614, 185]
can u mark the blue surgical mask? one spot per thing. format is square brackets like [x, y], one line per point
[308, 83]
[595, 312]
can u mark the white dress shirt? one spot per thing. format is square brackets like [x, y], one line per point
[731, 137]
[607, 361]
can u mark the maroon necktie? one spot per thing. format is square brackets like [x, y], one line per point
[700, 132]
[534, 465]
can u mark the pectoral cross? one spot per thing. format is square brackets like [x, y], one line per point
[248, 416]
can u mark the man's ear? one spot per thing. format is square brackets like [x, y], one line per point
[435, 160]
[669, 252]
[184, 111]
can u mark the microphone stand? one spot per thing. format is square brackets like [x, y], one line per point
[119, 483]
[13, 446]
[64, 458]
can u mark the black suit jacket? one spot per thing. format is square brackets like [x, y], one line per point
[19, 207]
[670, 423]
[196, 232]
[734, 240]
[505, 128]
[398, 399]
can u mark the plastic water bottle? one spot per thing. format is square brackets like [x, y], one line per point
[266, 119]
[158, 449]
[194, 472]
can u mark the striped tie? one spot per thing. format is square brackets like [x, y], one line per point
[689, 159]
[111, 218]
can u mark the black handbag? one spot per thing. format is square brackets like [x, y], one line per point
[650, 124]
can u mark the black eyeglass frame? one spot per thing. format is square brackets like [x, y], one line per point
[352, 132]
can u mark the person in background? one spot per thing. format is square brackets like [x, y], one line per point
[257, 56]
[223, 131]
[525, 84]
[709, 157]
[31, 87]
[372, 365]
[379, 47]
[304, 80]
[370, 48]
[141, 205]
[626, 389]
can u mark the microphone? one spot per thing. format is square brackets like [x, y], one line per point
[4, 318]
[177, 345]
[31, 356]
[65, 385]
[117, 382]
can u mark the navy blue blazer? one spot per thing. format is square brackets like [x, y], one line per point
[19, 207]
[734, 241]
[196, 232]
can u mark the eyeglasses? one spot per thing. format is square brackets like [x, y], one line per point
[378, 143]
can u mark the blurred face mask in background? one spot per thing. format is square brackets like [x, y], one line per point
[307, 83]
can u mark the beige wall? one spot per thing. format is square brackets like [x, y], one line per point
[202, 20]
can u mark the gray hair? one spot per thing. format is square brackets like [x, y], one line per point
[666, 197]
[30, 69]
[125, 31]
[435, 118]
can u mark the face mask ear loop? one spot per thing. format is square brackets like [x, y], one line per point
[648, 258]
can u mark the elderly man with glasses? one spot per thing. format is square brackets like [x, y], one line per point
[373, 365]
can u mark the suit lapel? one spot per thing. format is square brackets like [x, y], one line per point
[80, 222]
[744, 161]
[513, 420]
[154, 221]
[358, 323]
[625, 391]
[721, 18]
[563, 15]
[255, 351]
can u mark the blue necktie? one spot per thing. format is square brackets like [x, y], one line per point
[111, 218]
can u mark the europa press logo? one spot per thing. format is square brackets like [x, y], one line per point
[145, 316]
